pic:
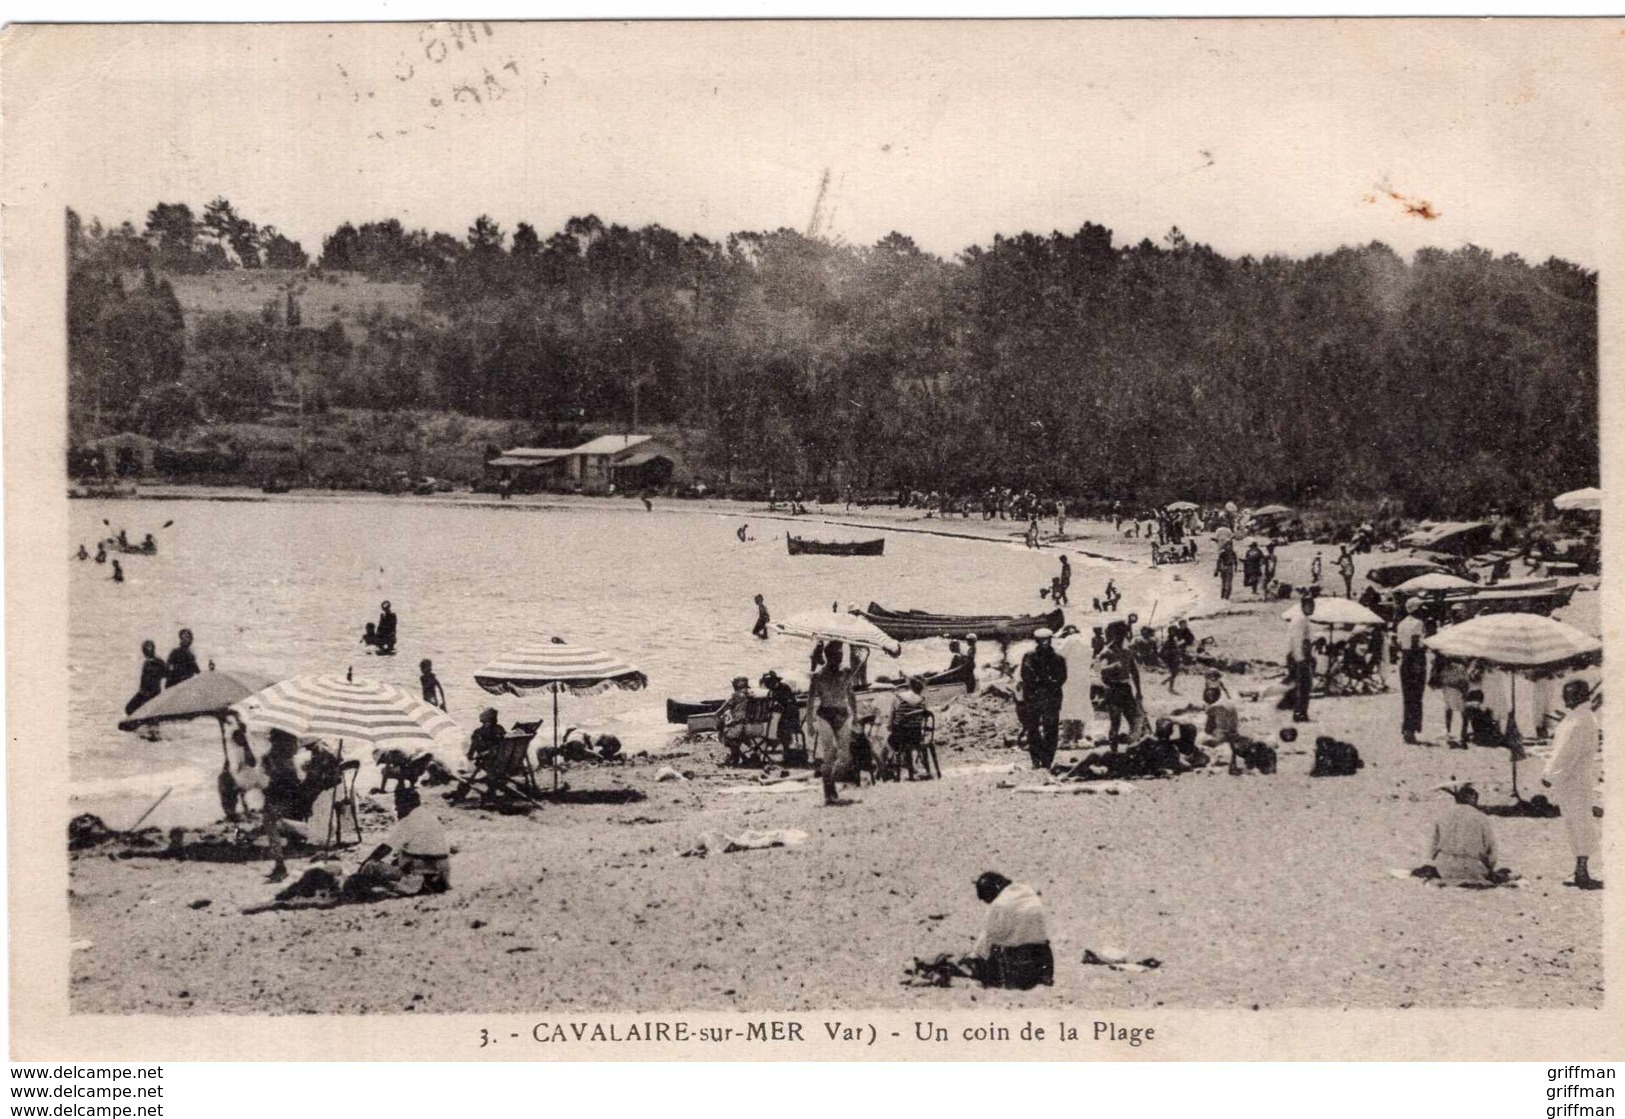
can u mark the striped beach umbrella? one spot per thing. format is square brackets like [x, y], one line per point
[1515, 641]
[380, 715]
[557, 666]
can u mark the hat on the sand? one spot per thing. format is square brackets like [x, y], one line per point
[1042, 635]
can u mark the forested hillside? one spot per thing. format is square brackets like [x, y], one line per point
[1061, 362]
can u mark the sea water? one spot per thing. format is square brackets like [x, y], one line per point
[285, 586]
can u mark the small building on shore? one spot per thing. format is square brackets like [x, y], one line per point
[627, 463]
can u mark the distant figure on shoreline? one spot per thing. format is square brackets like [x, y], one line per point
[101, 552]
[740, 533]
[648, 506]
[83, 555]
[760, 628]
[118, 572]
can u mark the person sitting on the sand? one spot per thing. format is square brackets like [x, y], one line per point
[413, 859]
[395, 764]
[1223, 725]
[731, 720]
[1462, 851]
[1014, 949]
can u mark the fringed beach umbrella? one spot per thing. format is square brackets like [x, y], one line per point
[1519, 643]
[380, 715]
[1589, 499]
[557, 666]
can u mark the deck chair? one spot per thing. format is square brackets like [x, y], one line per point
[505, 775]
[913, 735]
[754, 733]
[343, 806]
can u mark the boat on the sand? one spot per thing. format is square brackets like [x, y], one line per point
[916, 625]
[806, 546]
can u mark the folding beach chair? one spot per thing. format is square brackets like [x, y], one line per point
[914, 735]
[343, 807]
[753, 734]
[505, 774]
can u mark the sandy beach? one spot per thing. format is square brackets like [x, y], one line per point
[1257, 891]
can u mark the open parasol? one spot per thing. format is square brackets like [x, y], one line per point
[1337, 612]
[380, 715]
[1434, 581]
[1518, 643]
[1271, 511]
[1589, 499]
[557, 666]
[1183, 507]
[207, 693]
[849, 629]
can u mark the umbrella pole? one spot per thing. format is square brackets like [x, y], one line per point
[555, 739]
[1512, 721]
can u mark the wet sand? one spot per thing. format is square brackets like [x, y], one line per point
[1267, 891]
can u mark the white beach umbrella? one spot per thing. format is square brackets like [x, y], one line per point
[1337, 612]
[380, 715]
[1434, 581]
[1589, 498]
[849, 629]
[1515, 641]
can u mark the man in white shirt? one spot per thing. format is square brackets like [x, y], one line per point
[417, 853]
[1014, 950]
[1571, 774]
[1413, 668]
[1300, 658]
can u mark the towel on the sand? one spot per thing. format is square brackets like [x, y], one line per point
[1119, 961]
[938, 972]
[1400, 872]
[794, 785]
[1110, 788]
[717, 843]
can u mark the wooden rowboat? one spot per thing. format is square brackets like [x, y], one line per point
[804, 546]
[916, 625]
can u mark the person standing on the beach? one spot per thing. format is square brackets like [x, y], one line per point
[1060, 521]
[1226, 569]
[1345, 568]
[101, 552]
[1252, 568]
[1314, 572]
[1571, 774]
[1066, 579]
[118, 572]
[387, 621]
[834, 706]
[1121, 677]
[433, 693]
[153, 672]
[182, 664]
[1043, 680]
[1413, 668]
[1269, 565]
[760, 628]
[1300, 658]
[1077, 706]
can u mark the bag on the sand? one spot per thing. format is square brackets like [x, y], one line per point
[1335, 759]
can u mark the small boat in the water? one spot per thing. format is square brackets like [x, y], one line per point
[916, 625]
[102, 490]
[805, 546]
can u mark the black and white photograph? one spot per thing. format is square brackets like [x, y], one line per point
[976, 521]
